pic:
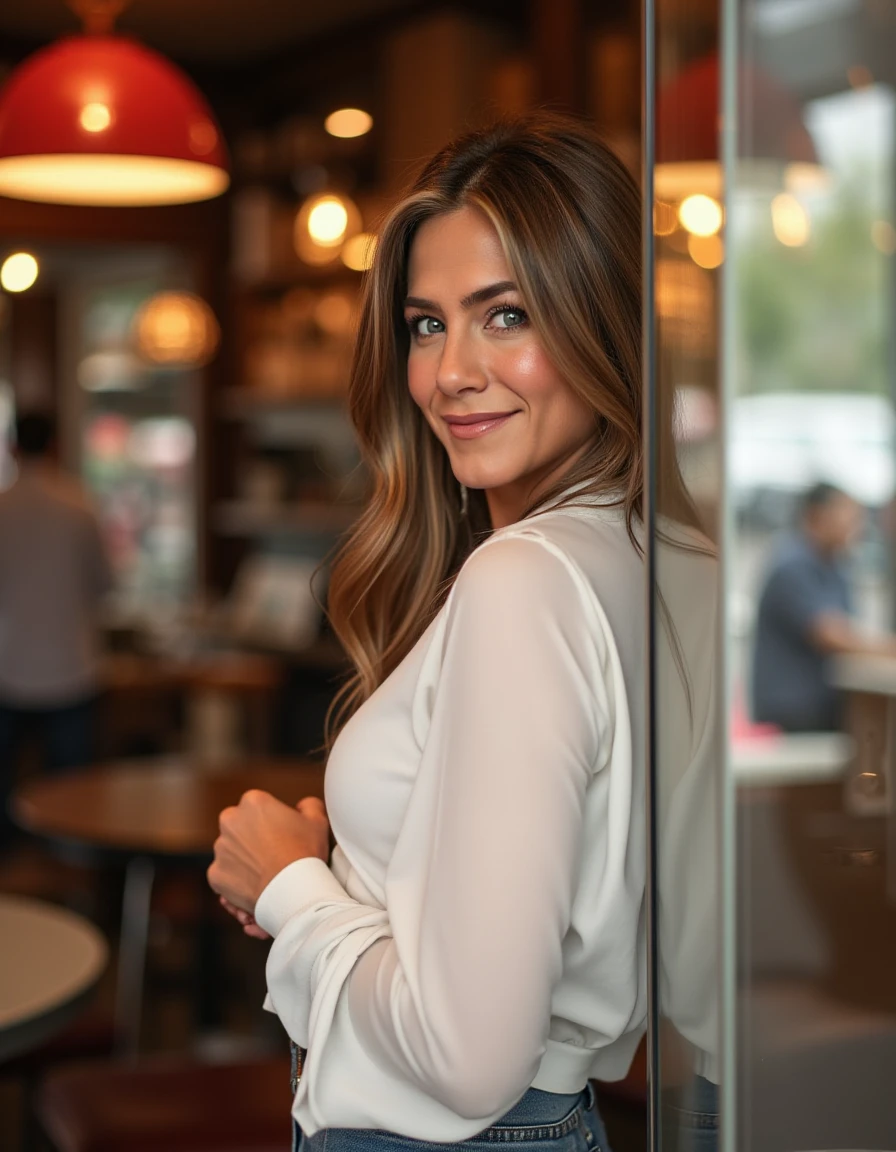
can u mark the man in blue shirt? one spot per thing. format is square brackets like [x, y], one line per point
[804, 618]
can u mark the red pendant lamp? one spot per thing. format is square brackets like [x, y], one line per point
[99, 119]
[774, 146]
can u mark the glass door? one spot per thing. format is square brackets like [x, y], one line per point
[770, 176]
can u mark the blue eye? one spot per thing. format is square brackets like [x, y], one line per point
[510, 317]
[425, 326]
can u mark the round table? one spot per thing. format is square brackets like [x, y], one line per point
[142, 813]
[50, 963]
[166, 808]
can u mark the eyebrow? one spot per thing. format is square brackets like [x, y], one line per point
[478, 297]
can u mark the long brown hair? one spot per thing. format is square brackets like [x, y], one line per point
[568, 215]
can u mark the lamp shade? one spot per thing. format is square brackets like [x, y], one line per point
[772, 137]
[100, 119]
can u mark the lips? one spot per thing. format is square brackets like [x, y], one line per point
[471, 425]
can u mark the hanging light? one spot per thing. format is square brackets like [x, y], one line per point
[322, 226]
[775, 149]
[176, 330]
[100, 119]
[348, 123]
[18, 272]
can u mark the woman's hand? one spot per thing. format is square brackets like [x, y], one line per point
[259, 838]
[246, 919]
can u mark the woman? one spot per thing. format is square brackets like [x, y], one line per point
[475, 952]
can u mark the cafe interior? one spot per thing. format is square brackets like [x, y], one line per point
[180, 267]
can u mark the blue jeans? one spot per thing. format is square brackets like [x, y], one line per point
[542, 1121]
[690, 1117]
[66, 737]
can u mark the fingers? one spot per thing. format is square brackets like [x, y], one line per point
[312, 807]
[246, 920]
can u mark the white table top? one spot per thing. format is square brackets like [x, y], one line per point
[50, 961]
[866, 674]
[801, 758]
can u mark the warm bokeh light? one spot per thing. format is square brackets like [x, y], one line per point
[108, 180]
[95, 117]
[327, 222]
[665, 220]
[176, 330]
[348, 122]
[335, 314]
[706, 251]
[883, 237]
[790, 220]
[324, 222]
[18, 272]
[359, 251]
[700, 215]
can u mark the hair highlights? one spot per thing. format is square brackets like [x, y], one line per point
[568, 215]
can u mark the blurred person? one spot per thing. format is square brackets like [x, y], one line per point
[805, 617]
[475, 952]
[53, 573]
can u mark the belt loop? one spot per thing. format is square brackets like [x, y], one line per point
[590, 1099]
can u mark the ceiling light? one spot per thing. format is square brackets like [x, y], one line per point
[18, 272]
[99, 119]
[777, 149]
[323, 224]
[700, 215]
[348, 122]
[176, 330]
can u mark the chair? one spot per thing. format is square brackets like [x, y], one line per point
[167, 1103]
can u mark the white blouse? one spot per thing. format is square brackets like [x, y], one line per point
[481, 928]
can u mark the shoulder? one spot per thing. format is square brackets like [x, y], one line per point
[793, 561]
[555, 562]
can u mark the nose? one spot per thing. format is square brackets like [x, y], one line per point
[459, 368]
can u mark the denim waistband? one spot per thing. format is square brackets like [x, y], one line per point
[544, 1115]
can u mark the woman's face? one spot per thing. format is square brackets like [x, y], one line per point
[509, 423]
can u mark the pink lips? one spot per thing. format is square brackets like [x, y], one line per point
[477, 424]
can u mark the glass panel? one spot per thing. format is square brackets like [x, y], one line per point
[809, 560]
[133, 400]
[686, 240]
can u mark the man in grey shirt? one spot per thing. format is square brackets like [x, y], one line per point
[804, 618]
[53, 573]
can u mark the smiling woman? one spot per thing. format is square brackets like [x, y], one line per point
[474, 953]
[478, 372]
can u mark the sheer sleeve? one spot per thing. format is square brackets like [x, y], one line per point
[450, 987]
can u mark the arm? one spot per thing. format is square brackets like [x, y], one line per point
[453, 993]
[834, 633]
[799, 604]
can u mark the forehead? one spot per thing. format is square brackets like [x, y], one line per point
[456, 253]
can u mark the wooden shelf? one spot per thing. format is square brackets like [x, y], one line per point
[246, 403]
[243, 518]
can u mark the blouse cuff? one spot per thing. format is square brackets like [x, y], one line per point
[298, 885]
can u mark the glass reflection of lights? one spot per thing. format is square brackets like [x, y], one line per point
[883, 237]
[176, 330]
[706, 251]
[665, 220]
[790, 221]
[18, 272]
[700, 215]
[348, 122]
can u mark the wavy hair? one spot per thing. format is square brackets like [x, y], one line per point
[568, 215]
